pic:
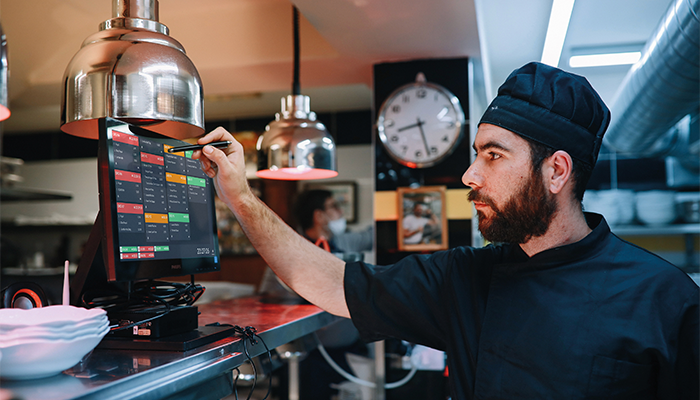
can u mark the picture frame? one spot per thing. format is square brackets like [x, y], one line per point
[422, 220]
[344, 192]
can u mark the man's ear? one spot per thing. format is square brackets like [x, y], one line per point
[558, 170]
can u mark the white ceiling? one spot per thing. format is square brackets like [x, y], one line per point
[243, 48]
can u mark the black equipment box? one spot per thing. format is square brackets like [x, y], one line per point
[179, 319]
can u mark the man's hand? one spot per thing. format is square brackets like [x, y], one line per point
[226, 167]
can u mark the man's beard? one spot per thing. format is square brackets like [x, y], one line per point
[527, 214]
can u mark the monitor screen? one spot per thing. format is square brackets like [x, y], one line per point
[157, 207]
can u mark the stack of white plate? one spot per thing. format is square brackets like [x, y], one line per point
[44, 341]
[617, 205]
[656, 207]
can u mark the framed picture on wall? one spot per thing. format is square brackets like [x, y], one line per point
[422, 220]
[345, 193]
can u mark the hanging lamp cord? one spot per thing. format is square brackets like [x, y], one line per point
[296, 89]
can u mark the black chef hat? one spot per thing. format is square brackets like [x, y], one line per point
[552, 107]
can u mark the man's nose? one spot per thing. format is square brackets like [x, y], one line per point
[471, 177]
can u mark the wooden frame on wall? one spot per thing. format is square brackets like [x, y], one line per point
[422, 218]
[345, 193]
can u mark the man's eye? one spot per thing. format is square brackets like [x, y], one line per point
[494, 156]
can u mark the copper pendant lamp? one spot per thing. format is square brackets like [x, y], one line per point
[134, 71]
[295, 146]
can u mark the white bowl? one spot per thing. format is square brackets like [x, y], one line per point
[656, 207]
[54, 316]
[42, 358]
[616, 205]
[656, 215]
[68, 328]
[40, 333]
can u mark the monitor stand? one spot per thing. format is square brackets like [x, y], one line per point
[92, 275]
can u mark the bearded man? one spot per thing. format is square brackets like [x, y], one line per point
[557, 307]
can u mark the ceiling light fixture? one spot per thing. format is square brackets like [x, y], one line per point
[556, 31]
[295, 146]
[604, 60]
[133, 71]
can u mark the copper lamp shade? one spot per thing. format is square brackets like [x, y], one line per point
[295, 146]
[133, 71]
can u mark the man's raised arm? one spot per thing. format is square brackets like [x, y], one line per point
[314, 274]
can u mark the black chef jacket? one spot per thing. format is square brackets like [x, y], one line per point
[600, 318]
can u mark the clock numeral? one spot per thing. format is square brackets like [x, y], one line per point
[404, 149]
[445, 138]
[394, 138]
[433, 150]
[396, 108]
[406, 98]
[419, 154]
[421, 93]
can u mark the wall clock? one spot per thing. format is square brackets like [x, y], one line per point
[421, 123]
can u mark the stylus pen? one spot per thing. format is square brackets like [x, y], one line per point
[177, 149]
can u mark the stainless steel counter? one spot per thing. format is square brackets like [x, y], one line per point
[202, 373]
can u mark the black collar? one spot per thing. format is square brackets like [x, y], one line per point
[567, 253]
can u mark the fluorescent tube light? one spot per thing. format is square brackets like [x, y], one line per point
[556, 31]
[601, 60]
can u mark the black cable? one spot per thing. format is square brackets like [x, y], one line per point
[235, 383]
[296, 87]
[158, 295]
[250, 333]
[255, 370]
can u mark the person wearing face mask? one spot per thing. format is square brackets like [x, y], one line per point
[319, 218]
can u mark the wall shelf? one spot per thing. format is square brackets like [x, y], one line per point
[660, 230]
[15, 194]
[688, 231]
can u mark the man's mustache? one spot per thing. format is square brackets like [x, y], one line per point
[476, 196]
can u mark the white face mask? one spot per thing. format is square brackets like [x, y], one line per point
[337, 226]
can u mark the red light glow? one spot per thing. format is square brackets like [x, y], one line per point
[293, 174]
[4, 113]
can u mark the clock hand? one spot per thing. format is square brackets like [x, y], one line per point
[403, 128]
[425, 142]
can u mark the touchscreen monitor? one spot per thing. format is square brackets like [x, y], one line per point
[157, 207]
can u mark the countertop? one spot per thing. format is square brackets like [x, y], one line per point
[204, 372]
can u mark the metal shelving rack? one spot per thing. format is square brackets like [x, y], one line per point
[688, 231]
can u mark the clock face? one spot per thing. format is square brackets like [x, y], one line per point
[420, 124]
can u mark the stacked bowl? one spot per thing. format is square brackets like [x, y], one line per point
[616, 205]
[656, 207]
[41, 342]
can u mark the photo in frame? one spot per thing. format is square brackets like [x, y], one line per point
[345, 193]
[422, 220]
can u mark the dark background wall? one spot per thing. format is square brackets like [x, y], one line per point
[347, 128]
